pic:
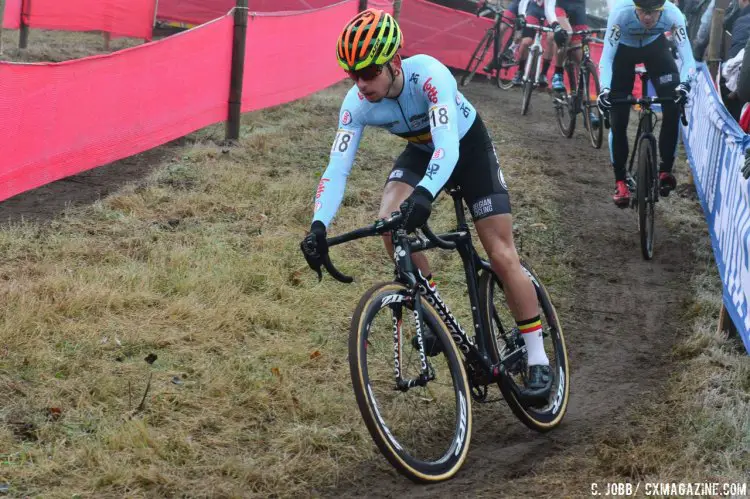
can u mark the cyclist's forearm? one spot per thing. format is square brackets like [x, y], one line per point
[549, 11]
[330, 192]
[522, 7]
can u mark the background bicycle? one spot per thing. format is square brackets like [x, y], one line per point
[643, 182]
[533, 69]
[583, 79]
[504, 54]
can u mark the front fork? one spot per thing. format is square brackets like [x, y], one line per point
[406, 270]
[534, 51]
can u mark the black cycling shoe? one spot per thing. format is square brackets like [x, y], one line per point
[432, 346]
[538, 386]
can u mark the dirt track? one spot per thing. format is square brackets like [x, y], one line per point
[619, 326]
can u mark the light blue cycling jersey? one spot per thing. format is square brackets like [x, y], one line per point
[623, 27]
[430, 113]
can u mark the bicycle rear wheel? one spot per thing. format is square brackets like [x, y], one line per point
[478, 56]
[528, 84]
[423, 431]
[566, 106]
[590, 108]
[509, 347]
[647, 192]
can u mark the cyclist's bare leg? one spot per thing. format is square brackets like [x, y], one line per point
[393, 195]
[523, 50]
[549, 48]
[496, 234]
[575, 48]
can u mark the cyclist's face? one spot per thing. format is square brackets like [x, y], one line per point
[648, 18]
[373, 82]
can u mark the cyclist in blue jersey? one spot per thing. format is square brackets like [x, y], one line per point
[635, 34]
[447, 143]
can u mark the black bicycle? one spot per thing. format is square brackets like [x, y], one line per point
[415, 402]
[504, 60]
[584, 83]
[644, 182]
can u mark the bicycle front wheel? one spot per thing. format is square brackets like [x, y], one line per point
[647, 192]
[528, 84]
[423, 429]
[477, 57]
[565, 107]
[509, 348]
[592, 115]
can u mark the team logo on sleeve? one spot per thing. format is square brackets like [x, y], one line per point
[432, 170]
[438, 154]
[429, 89]
[346, 117]
[414, 78]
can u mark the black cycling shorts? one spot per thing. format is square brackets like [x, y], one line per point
[511, 12]
[575, 11]
[477, 172]
[534, 15]
[656, 56]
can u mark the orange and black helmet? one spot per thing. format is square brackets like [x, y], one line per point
[371, 37]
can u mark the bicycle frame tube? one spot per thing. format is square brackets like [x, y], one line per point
[406, 271]
[536, 47]
[475, 351]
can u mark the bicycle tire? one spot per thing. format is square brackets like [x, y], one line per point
[528, 84]
[545, 418]
[566, 104]
[646, 192]
[590, 106]
[475, 61]
[503, 78]
[377, 298]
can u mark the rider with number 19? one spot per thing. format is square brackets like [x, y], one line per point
[635, 34]
[447, 142]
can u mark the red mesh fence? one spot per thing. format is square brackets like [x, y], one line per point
[291, 56]
[61, 119]
[133, 18]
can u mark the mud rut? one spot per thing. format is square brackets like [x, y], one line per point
[619, 326]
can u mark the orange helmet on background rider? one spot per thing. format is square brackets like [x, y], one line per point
[372, 37]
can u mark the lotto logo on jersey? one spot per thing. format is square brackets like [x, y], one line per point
[430, 90]
[360, 95]
[321, 188]
[439, 153]
[346, 118]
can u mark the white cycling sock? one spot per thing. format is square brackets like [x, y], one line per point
[531, 332]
